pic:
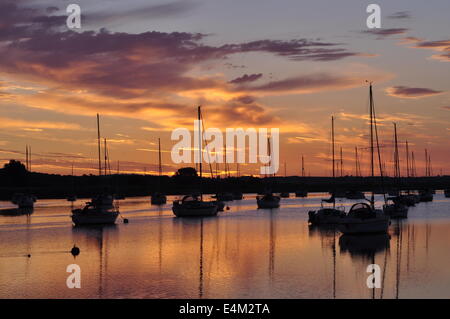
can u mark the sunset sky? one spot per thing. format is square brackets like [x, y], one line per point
[146, 65]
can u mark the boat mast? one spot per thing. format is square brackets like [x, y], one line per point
[342, 163]
[99, 149]
[408, 170]
[303, 166]
[106, 157]
[357, 172]
[332, 144]
[426, 162]
[200, 147]
[26, 157]
[333, 169]
[159, 157]
[396, 155]
[372, 169]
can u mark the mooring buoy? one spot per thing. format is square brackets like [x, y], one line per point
[75, 251]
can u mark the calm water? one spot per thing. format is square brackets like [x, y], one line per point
[242, 253]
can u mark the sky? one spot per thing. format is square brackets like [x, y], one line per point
[145, 66]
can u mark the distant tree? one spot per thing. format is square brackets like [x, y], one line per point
[186, 172]
[14, 173]
[14, 168]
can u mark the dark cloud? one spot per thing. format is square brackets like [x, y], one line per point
[156, 11]
[147, 67]
[246, 99]
[296, 49]
[410, 92]
[242, 114]
[307, 83]
[246, 78]
[447, 107]
[442, 47]
[51, 9]
[400, 15]
[383, 33]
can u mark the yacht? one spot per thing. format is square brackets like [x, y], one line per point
[268, 201]
[364, 219]
[194, 206]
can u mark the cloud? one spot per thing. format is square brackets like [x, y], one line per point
[155, 11]
[311, 83]
[400, 15]
[246, 78]
[383, 33]
[410, 92]
[36, 125]
[440, 46]
[141, 75]
[447, 107]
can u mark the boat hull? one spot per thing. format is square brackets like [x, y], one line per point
[268, 204]
[202, 210]
[396, 212]
[325, 216]
[363, 226]
[80, 217]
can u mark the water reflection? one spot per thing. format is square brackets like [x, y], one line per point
[242, 253]
[364, 246]
[16, 211]
[96, 238]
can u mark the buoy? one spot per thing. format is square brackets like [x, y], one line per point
[228, 207]
[75, 251]
[125, 220]
[29, 255]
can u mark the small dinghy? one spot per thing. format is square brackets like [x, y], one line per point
[268, 201]
[23, 200]
[395, 208]
[158, 199]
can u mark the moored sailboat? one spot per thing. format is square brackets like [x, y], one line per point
[268, 201]
[363, 218]
[101, 209]
[395, 206]
[23, 200]
[327, 215]
[194, 205]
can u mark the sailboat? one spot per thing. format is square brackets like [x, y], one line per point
[394, 206]
[327, 215]
[101, 209]
[25, 200]
[158, 198]
[363, 218]
[194, 205]
[268, 200]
